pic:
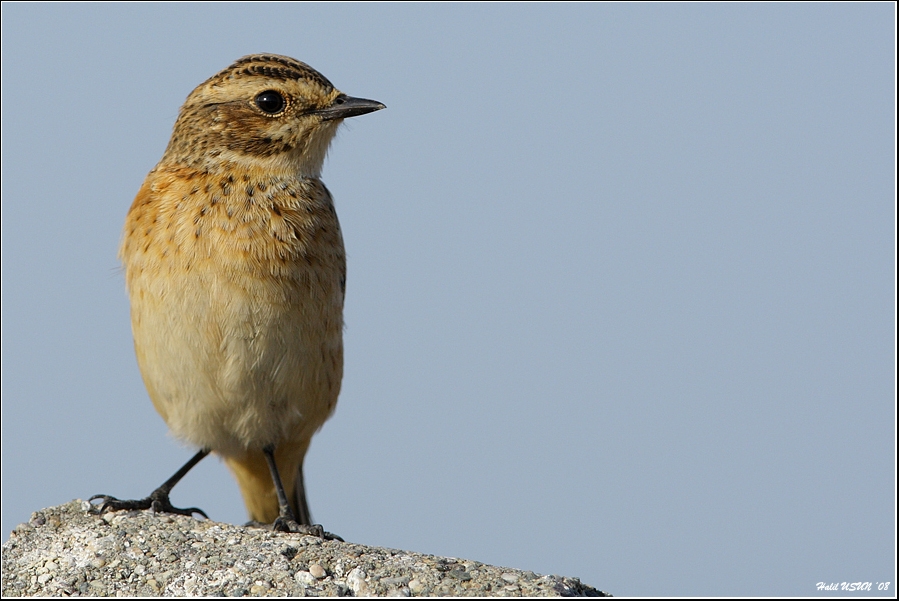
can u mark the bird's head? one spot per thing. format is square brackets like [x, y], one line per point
[264, 112]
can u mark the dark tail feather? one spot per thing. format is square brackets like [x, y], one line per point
[300, 506]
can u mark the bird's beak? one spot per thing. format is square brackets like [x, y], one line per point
[346, 106]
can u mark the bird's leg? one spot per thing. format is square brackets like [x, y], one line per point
[286, 522]
[158, 501]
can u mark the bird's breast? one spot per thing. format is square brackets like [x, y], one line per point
[236, 284]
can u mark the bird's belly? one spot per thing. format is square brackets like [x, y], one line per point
[238, 362]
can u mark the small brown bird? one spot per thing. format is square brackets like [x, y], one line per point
[236, 271]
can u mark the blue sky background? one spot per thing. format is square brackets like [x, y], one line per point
[621, 282]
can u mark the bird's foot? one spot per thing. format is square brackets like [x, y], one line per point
[157, 502]
[287, 524]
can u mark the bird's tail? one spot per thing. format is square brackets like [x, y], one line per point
[258, 489]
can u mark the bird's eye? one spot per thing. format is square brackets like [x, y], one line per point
[270, 102]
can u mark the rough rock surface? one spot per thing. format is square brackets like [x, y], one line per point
[68, 550]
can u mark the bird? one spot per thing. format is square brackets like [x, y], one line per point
[235, 268]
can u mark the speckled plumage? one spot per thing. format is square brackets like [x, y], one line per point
[235, 267]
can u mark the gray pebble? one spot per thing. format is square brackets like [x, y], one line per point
[305, 578]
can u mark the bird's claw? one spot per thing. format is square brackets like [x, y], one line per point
[286, 524]
[111, 503]
[157, 502]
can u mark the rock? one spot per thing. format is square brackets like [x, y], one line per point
[69, 551]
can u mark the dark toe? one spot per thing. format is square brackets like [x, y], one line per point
[113, 504]
[156, 502]
[286, 524]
